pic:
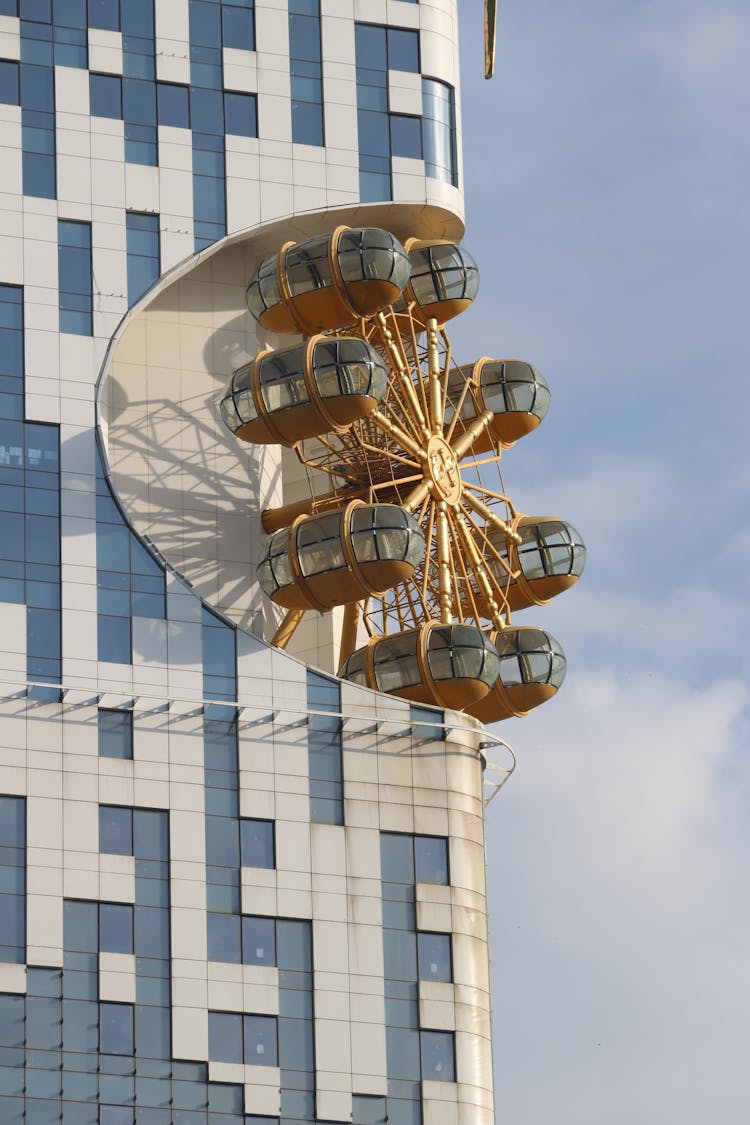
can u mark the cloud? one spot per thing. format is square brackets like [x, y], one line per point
[617, 867]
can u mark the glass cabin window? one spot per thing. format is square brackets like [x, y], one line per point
[396, 664]
[282, 379]
[443, 272]
[307, 266]
[319, 547]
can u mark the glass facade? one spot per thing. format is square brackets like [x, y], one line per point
[75, 278]
[414, 1053]
[190, 924]
[306, 71]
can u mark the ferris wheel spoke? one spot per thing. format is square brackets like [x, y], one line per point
[287, 628]
[481, 509]
[444, 566]
[467, 585]
[494, 495]
[457, 409]
[482, 576]
[464, 441]
[396, 431]
[437, 410]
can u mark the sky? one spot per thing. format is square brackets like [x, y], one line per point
[606, 172]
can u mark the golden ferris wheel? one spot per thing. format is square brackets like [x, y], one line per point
[405, 523]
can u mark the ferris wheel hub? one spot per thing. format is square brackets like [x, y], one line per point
[442, 471]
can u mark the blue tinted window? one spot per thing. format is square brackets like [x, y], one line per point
[75, 280]
[13, 879]
[438, 1056]
[10, 92]
[142, 232]
[368, 1109]
[115, 830]
[431, 859]
[105, 94]
[306, 71]
[294, 945]
[261, 1044]
[402, 1054]
[174, 105]
[113, 639]
[224, 938]
[371, 47]
[403, 49]
[11, 396]
[396, 857]
[406, 136]
[257, 843]
[38, 130]
[400, 955]
[219, 658]
[439, 131]
[428, 723]
[115, 927]
[116, 734]
[434, 956]
[225, 1037]
[325, 763]
[258, 941]
[116, 1028]
[240, 114]
[104, 14]
[237, 26]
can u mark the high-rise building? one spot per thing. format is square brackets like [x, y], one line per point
[234, 888]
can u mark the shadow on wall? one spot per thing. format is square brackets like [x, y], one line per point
[186, 482]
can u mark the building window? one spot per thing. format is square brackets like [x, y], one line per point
[38, 130]
[219, 658]
[403, 49]
[115, 1029]
[174, 105]
[104, 14]
[439, 131]
[428, 723]
[431, 859]
[10, 89]
[406, 136]
[105, 95]
[139, 82]
[306, 69]
[11, 378]
[258, 941]
[257, 844]
[115, 830]
[224, 938]
[434, 956]
[13, 869]
[413, 859]
[115, 734]
[75, 283]
[142, 233]
[236, 1038]
[438, 1056]
[115, 927]
[325, 759]
[240, 114]
[238, 26]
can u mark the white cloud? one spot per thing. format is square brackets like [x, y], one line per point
[617, 868]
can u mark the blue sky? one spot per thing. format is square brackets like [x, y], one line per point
[606, 172]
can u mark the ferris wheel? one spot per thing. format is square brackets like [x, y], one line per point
[405, 523]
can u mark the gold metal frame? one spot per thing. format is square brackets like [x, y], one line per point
[413, 449]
